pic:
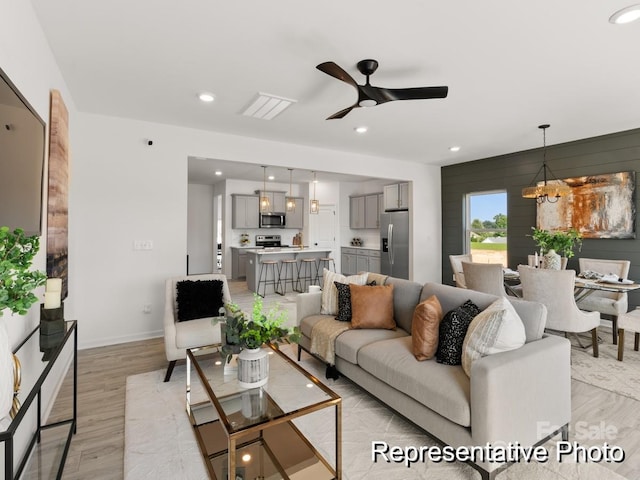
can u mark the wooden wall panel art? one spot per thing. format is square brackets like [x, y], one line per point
[58, 200]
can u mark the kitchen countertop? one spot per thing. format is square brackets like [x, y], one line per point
[361, 247]
[245, 246]
[276, 250]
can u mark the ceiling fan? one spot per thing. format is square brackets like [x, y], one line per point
[368, 95]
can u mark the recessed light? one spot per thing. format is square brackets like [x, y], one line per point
[271, 177]
[454, 149]
[218, 172]
[626, 15]
[206, 97]
[246, 457]
[361, 129]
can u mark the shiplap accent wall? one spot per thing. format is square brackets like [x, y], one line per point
[605, 154]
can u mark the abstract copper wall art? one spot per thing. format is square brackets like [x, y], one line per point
[599, 206]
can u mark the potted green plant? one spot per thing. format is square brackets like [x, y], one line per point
[563, 242]
[250, 333]
[17, 280]
[17, 283]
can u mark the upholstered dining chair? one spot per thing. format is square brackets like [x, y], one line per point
[456, 266]
[607, 303]
[554, 289]
[484, 277]
[195, 332]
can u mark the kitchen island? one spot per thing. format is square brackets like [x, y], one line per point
[255, 257]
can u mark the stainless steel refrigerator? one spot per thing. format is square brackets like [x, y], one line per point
[394, 244]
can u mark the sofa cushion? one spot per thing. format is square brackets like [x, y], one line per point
[444, 389]
[349, 343]
[453, 329]
[425, 328]
[496, 329]
[344, 300]
[330, 294]
[372, 307]
[198, 299]
[533, 314]
[196, 333]
[406, 295]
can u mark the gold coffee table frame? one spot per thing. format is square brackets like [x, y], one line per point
[214, 419]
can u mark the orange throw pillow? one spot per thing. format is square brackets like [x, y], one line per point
[425, 328]
[372, 306]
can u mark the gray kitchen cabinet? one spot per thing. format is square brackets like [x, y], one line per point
[396, 197]
[348, 261]
[371, 213]
[364, 211]
[244, 211]
[295, 218]
[238, 263]
[362, 263]
[356, 260]
[357, 212]
[374, 261]
[277, 200]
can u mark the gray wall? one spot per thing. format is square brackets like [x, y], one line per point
[606, 154]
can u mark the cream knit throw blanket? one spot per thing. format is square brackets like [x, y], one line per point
[323, 338]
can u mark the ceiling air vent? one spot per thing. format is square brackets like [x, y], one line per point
[267, 106]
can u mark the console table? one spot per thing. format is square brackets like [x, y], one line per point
[26, 433]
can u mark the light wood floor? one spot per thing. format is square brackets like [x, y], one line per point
[97, 450]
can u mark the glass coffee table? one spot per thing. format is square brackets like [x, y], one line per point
[249, 433]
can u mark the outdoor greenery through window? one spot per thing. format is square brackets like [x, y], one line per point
[486, 226]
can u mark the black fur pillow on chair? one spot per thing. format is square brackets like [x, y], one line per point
[198, 299]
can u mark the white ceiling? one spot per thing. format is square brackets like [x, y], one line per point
[510, 66]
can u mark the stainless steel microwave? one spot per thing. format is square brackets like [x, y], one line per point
[272, 220]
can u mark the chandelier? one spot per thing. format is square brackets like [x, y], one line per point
[545, 192]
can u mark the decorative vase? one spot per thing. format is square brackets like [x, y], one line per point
[253, 367]
[6, 371]
[551, 260]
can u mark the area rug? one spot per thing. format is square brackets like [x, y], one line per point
[160, 444]
[606, 371]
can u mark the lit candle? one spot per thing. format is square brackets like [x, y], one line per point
[53, 285]
[51, 300]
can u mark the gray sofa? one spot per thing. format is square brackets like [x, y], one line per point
[522, 396]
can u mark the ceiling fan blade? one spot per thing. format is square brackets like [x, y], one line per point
[336, 71]
[342, 113]
[418, 93]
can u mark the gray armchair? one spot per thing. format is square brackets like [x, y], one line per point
[607, 303]
[178, 336]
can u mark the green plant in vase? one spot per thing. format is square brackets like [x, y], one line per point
[17, 281]
[563, 242]
[262, 327]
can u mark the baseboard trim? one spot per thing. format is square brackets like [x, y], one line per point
[104, 342]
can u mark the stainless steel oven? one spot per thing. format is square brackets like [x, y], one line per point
[272, 220]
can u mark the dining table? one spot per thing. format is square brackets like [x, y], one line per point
[582, 289]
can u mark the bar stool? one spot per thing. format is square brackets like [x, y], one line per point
[628, 321]
[306, 274]
[286, 274]
[323, 263]
[263, 279]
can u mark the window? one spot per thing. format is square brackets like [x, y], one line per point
[486, 226]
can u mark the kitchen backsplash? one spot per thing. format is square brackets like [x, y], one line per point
[286, 235]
